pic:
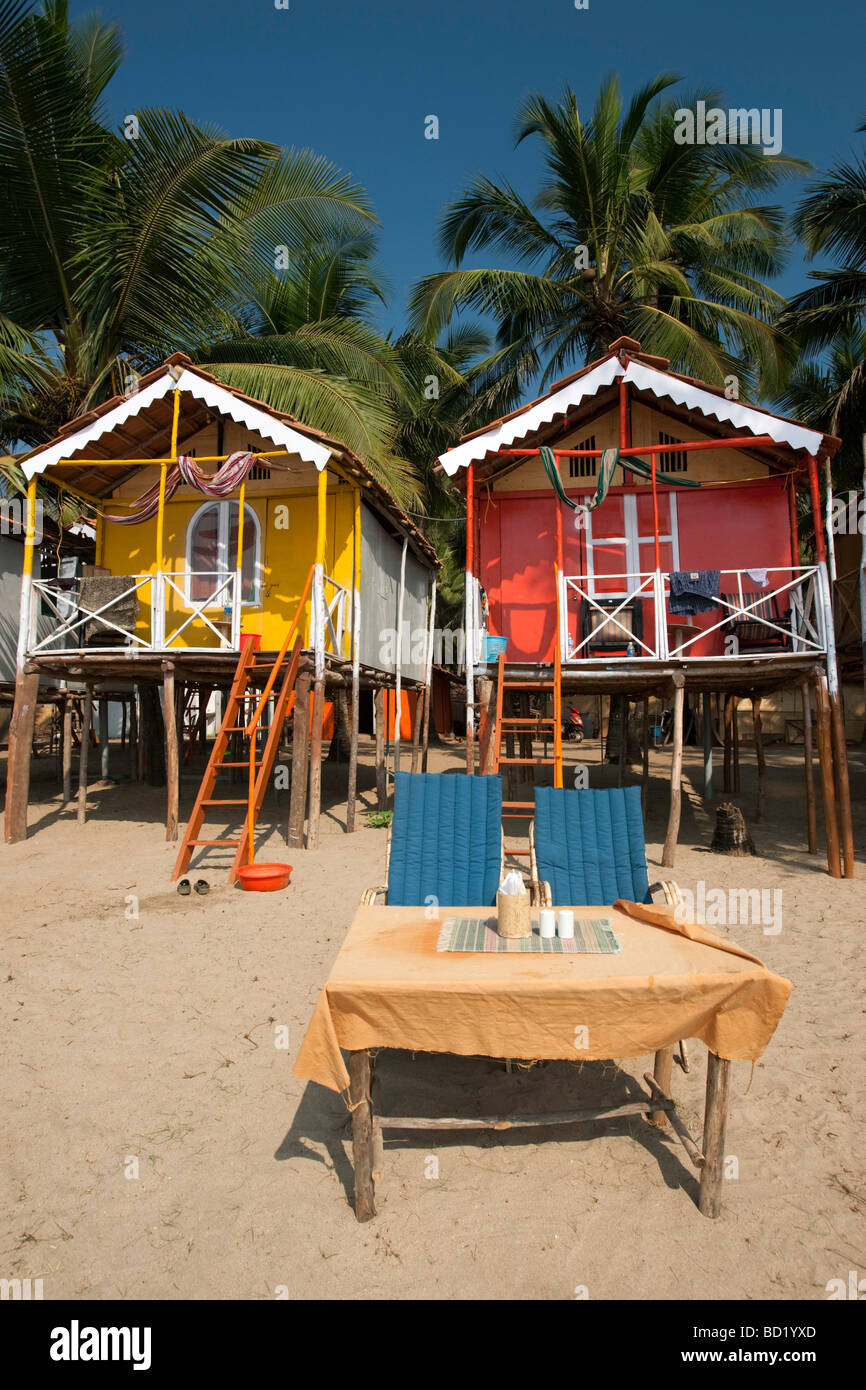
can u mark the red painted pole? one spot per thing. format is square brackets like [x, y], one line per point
[817, 519]
[470, 610]
[656, 514]
[792, 517]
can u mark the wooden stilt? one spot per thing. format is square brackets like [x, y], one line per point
[840, 758]
[66, 756]
[133, 734]
[172, 770]
[761, 804]
[352, 781]
[735, 724]
[729, 742]
[416, 726]
[104, 745]
[625, 706]
[713, 1146]
[315, 805]
[124, 714]
[708, 746]
[300, 757]
[828, 790]
[381, 770]
[645, 747]
[362, 1133]
[153, 736]
[662, 1072]
[486, 702]
[811, 820]
[21, 729]
[425, 728]
[676, 774]
[86, 719]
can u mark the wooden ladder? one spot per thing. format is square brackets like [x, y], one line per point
[239, 694]
[524, 726]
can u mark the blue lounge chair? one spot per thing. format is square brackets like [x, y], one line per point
[445, 841]
[587, 848]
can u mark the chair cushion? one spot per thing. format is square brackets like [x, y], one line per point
[446, 839]
[590, 845]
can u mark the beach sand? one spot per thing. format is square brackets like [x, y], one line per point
[139, 1032]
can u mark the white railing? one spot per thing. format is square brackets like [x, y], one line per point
[791, 611]
[329, 614]
[168, 620]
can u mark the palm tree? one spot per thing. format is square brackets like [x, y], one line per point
[630, 233]
[828, 320]
[114, 247]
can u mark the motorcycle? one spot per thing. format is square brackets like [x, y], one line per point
[572, 726]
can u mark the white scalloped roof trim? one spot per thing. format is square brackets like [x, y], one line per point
[211, 393]
[742, 417]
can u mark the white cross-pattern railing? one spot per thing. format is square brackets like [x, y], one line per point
[154, 593]
[802, 624]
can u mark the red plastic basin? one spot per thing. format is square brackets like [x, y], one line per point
[264, 878]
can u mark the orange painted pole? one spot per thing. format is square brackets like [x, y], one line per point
[656, 513]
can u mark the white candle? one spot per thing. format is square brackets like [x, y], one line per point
[565, 923]
[547, 917]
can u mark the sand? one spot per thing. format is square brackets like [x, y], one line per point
[157, 1145]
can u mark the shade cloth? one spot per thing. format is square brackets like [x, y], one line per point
[389, 987]
[226, 480]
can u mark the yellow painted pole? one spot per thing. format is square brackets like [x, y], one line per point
[356, 572]
[241, 501]
[321, 517]
[163, 470]
[30, 532]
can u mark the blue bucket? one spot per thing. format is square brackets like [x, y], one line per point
[493, 646]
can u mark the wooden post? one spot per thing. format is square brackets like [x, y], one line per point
[67, 750]
[828, 790]
[645, 743]
[381, 778]
[676, 773]
[811, 826]
[761, 804]
[662, 1072]
[300, 755]
[172, 770]
[86, 717]
[713, 1146]
[840, 756]
[315, 805]
[708, 745]
[420, 693]
[133, 734]
[729, 744]
[735, 726]
[362, 1133]
[20, 745]
[398, 693]
[428, 677]
[104, 746]
[625, 706]
[486, 736]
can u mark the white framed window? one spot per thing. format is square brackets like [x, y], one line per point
[211, 553]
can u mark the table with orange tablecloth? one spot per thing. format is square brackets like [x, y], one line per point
[391, 988]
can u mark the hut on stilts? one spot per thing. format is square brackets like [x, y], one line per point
[220, 523]
[633, 533]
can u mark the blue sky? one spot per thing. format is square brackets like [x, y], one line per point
[354, 81]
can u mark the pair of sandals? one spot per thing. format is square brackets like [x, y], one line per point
[201, 886]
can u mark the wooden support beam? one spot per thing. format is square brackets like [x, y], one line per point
[362, 1133]
[840, 759]
[66, 755]
[811, 820]
[21, 728]
[761, 803]
[645, 781]
[708, 745]
[300, 759]
[416, 726]
[713, 1144]
[662, 1067]
[86, 719]
[727, 781]
[735, 724]
[486, 734]
[172, 768]
[381, 770]
[828, 789]
[315, 805]
[104, 742]
[676, 777]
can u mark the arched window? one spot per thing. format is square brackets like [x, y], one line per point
[212, 548]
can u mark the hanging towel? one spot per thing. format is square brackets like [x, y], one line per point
[759, 577]
[693, 591]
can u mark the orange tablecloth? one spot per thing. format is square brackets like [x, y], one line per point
[391, 988]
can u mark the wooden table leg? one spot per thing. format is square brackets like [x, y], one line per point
[715, 1123]
[662, 1072]
[362, 1133]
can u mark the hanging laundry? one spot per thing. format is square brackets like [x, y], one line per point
[759, 577]
[693, 591]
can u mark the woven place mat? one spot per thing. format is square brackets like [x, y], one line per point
[592, 936]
